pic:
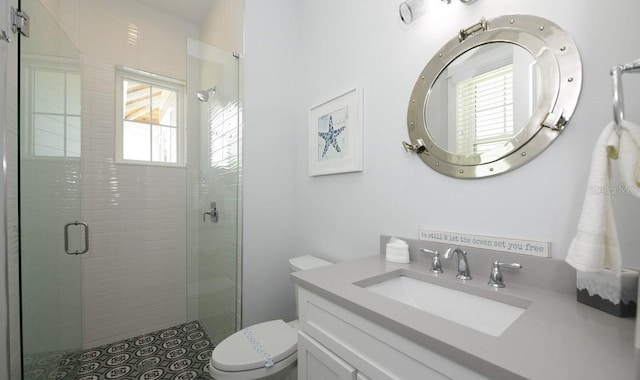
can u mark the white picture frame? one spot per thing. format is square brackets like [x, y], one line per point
[335, 135]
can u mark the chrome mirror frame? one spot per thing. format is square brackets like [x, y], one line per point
[561, 82]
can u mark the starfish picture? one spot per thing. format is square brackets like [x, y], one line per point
[330, 137]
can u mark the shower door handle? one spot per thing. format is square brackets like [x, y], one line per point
[66, 238]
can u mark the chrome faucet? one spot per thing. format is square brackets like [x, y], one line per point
[463, 266]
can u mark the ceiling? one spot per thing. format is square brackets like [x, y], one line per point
[189, 10]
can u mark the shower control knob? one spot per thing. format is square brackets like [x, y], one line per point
[213, 213]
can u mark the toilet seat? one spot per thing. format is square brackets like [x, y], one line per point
[255, 351]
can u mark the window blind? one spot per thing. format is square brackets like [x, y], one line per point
[484, 111]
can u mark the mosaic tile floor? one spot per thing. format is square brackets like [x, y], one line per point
[178, 353]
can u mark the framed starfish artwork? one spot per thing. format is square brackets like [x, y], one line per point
[335, 135]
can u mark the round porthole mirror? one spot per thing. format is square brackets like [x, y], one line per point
[494, 97]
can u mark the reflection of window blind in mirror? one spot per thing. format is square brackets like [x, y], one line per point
[484, 110]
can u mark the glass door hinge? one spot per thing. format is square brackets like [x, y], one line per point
[19, 22]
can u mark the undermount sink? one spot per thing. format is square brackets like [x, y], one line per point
[488, 312]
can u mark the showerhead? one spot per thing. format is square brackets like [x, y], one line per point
[203, 95]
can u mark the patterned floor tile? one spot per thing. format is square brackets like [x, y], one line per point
[177, 353]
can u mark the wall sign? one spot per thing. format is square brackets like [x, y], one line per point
[524, 247]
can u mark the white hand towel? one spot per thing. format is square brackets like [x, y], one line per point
[596, 244]
[630, 157]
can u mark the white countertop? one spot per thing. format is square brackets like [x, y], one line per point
[555, 338]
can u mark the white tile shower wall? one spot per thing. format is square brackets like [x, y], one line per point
[134, 276]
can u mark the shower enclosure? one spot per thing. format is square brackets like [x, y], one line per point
[123, 164]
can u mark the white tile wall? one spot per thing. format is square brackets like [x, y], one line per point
[134, 276]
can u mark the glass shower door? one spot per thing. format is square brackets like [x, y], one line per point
[214, 168]
[52, 234]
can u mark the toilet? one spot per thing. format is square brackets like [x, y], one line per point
[266, 350]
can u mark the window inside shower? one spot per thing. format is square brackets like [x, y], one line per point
[150, 128]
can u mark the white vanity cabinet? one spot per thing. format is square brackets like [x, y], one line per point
[336, 343]
[317, 362]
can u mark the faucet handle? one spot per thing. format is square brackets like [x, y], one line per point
[436, 264]
[495, 278]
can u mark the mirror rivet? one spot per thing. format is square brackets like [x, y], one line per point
[440, 55]
[490, 169]
[511, 21]
[423, 77]
[523, 154]
[461, 171]
[570, 79]
[411, 123]
[542, 28]
[413, 100]
[437, 164]
[563, 48]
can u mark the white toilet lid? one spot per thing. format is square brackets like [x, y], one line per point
[256, 346]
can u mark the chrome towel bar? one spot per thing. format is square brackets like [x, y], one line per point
[618, 97]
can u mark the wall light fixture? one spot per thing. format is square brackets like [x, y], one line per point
[411, 10]
[467, 2]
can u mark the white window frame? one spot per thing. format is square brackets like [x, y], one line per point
[33, 64]
[125, 73]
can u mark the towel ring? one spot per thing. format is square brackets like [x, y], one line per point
[618, 97]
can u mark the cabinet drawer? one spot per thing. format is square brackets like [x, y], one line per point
[317, 362]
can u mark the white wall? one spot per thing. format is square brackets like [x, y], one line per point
[223, 25]
[271, 115]
[325, 48]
